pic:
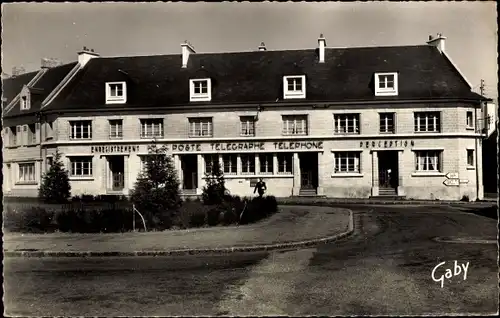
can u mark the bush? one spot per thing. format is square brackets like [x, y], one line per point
[80, 220]
[31, 220]
[215, 190]
[55, 187]
[259, 208]
[156, 193]
[465, 198]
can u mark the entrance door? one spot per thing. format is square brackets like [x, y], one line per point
[308, 170]
[117, 168]
[388, 174]
[189, 165]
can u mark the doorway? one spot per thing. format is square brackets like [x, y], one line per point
[117, 169]
[388, 174]
[308, 170]
[189, 167]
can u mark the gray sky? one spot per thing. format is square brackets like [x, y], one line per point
[32, 31]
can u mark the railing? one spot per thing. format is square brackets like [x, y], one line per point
[133, 220]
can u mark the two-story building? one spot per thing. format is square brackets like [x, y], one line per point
[339, 122]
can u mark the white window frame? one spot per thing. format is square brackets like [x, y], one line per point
[230, 164]
[73, 129]
[247, 126]
[428, 160]
[148, 126]
[283, 164]
[248, 165]
[290, 122]
[75, 161]
[25, 102]
[203, 96]
[428, 120]
[266, 166]
[27, 172]
[290, 94]
[203, 125]
[473, 163]
[386, 91]
[116, 99]
[115, 128]
[384, 123]
[347, 162]
[209, 160]
[469, 120]
[341, 124]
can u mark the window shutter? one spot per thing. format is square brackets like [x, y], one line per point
[25, 134]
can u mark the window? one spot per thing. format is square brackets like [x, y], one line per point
[248, 164]
[81, 166]
[230, 164]
[247, 126]
[470, 157]
[13, 136]
[386, 84]
[428, 160]
[27, 172]
[295, 125]
[200, 90]
[200, 127]
[143, 164]
[151, 128]
[285, 161]
[266, 163]
[48, 163]
[387, 122]
[346, 162]
[24, 103]
[294, 86]
[81, 129]
[470, 120]
[116, 129]
[49, 133]
[427, 121]
[116, 93]
[210, 161]
[32, 134]
[346, 123]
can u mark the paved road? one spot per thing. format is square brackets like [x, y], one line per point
[384, 268]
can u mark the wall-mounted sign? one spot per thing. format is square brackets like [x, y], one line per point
[452, 175]
[114, 148]
[386, 143]
[249, 146]
[451, 182]
[464, 181]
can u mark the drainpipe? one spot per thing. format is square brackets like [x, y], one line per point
[476, 141]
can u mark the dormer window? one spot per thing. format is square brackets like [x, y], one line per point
[200, 90]
[116, 93]
[24, 103]
[386, 84]
[294, 87]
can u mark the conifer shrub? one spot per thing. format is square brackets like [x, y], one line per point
[55, 186]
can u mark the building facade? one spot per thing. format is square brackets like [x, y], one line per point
[347, 123]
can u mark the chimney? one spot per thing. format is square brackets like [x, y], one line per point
[321, 47]
[18, 70]
[438, 42]
[86, 55]
[50, 62]
[262, 47]
[187, 49]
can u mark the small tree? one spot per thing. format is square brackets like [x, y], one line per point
[55, 186]
[214, 192]
[156, 192]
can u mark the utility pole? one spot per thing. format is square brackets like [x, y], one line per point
[482, 87]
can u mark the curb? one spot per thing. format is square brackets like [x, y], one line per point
[225, 250]
[394, 202]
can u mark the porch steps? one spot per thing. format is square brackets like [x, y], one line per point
[188, 192]
[388, 194]
[308, 193]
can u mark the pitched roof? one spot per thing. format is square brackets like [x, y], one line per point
[257, 77]
[13, 85]
[42, 88]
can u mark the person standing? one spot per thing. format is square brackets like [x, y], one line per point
[260, 187]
